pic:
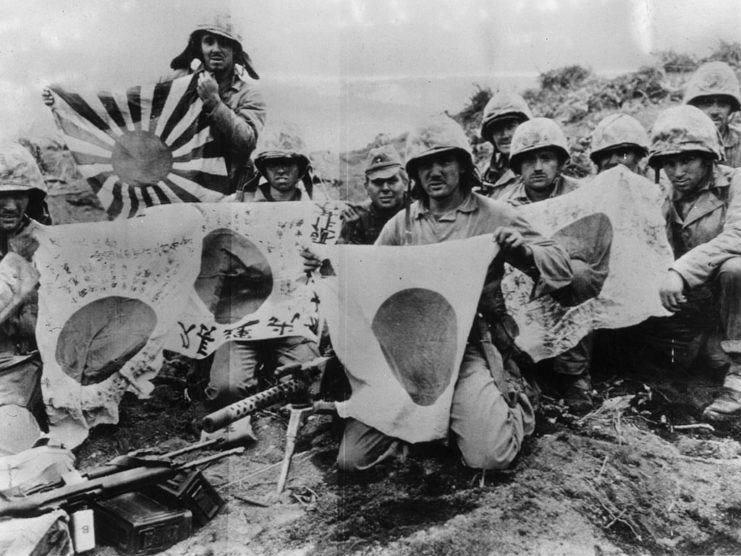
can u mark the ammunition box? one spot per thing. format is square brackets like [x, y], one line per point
[189, 490]
[136, 524]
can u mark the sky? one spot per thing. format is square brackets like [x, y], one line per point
[344, 70]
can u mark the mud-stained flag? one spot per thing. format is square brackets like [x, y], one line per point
[399, 318]
[148, 145]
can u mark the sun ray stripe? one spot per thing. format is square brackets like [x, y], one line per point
[184, 195]
[186, 125]
[114, 209]
[134, 102]
[215, 187]
[212, 149]
[92, 170]
[110, 104]
[84, 147]
[193, 190]
[145, 95]
[215, 166]
[77, 126]
[122, 104]
[170, 109]
[159, 99]
[105, 192]
[188, 106]
[125, 200]
[197, 128]
[96, 103]
[146, 197]
[162, 197]
[77, 103]
[134, 201]
[196, 141]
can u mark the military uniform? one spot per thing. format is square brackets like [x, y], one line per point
[487, 430]
[237, 121]
[235, 364]
[366, 228]
[704, 229]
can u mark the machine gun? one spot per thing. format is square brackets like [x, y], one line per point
[293, 388]
[123, 474]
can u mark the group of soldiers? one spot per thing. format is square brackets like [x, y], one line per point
[438, 194]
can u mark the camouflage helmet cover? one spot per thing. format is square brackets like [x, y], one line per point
[19, 171]
[683, 129]
[501, 105]
[219, 24]
[282, 141]
[618, 130]
[534, 135]
[436, 135]
[711, 79]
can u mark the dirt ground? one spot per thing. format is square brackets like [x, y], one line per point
[627, 478]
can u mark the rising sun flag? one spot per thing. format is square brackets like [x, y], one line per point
[147, 145]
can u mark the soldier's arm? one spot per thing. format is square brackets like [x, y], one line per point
[547, 263]
[240, 125]
[698, 265]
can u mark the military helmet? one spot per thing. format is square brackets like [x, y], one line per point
[534, 135]
[711, 79]
[19, 171]
[436, 135]
[503, 104]
[219, 24]
[683, 129]
[282, 140]
[618, 130]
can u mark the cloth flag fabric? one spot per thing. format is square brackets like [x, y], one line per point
[613, 223]
[145, 146]
[110, 292]
[399, 318]
[251, 283]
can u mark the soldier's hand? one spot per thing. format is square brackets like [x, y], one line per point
[47, 97]
[349, 214]
[312, 262]
[671, 291]
[207, 89]
[513, 245]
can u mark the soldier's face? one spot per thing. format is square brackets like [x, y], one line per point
[539, 169]
[440, 175]
[718, 107]
[687, 172]
[386, 193]
[282, 174]
[502, 132]
[13, 205]
[626, 156]
[217, 52]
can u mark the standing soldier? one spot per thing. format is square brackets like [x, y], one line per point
[502, 114]
[714, 89]
[538, 153]
[619, 139]
[703, 215]
[385, 182]
[487, 429]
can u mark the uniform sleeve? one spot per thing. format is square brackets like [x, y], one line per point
[240, 125]
[392, 232]
[552, 267]
[697, 265]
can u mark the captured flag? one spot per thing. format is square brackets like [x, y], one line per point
[147, 145]
[613, 230]
[399, 319]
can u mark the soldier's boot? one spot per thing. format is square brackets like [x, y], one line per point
[576, 391]
[727, 406]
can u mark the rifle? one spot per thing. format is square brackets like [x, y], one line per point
[295, 381]
[123, 474]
